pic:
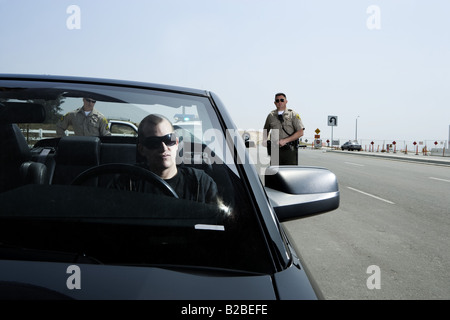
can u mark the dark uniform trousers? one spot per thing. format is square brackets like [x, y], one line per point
[286, 157]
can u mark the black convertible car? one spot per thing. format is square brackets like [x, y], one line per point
[67, 233]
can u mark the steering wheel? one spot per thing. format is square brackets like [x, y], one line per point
[132, 171]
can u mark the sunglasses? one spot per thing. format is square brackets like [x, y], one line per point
[91, 101]
[155, 142]
[279, 100]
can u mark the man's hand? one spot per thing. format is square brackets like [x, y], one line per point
[283, 142]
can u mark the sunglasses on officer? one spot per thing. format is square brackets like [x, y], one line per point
[279, 100]
[155, 142]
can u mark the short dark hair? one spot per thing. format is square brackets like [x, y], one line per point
[280, 94]
[151, 120]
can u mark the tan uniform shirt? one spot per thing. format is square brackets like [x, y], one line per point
[291, 123]
[94, 124]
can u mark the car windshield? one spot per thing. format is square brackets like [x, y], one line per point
[94, 221]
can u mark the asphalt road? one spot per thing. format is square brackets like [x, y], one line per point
[390, 237]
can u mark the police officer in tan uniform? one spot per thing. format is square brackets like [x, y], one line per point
[285, 127]
[86, 121]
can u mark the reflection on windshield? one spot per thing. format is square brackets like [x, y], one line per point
[61, 219]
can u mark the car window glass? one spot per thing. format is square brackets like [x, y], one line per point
[164, 230]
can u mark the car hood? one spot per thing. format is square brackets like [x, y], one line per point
[50, 280]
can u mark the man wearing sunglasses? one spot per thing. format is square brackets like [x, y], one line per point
[85, 121]
[285, 127]
[158, 145]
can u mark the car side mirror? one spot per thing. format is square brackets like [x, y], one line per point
[296, 192]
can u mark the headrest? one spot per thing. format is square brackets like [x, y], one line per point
[78, 150]
[20, 112]
[14, 144]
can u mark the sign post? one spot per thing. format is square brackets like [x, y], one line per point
[317, 141]
[332, 121]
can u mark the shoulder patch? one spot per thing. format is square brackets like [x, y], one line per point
[297, 116]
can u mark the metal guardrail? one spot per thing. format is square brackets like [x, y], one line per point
[38, 134]
[32, 135]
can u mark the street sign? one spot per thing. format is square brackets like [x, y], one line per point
[332, 121]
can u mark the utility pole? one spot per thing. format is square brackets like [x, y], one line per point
[356, 129]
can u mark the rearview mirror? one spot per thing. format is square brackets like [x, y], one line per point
[21, 112]
[296, 192]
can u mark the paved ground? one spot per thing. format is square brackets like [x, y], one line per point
[410, 156]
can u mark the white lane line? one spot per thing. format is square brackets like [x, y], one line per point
[446, 180]
[371, 195]
[354, 164]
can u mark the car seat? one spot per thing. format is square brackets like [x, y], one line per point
[74, 155]
[15, 151]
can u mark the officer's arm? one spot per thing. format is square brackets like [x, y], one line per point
[104, 130]
[62, 125]
[299, 127]
[295, 136]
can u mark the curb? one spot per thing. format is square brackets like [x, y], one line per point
[433, 161]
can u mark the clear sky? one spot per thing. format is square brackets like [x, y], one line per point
[386, 61]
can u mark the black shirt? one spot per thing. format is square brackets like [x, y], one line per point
[193, 184]
[189, 183]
